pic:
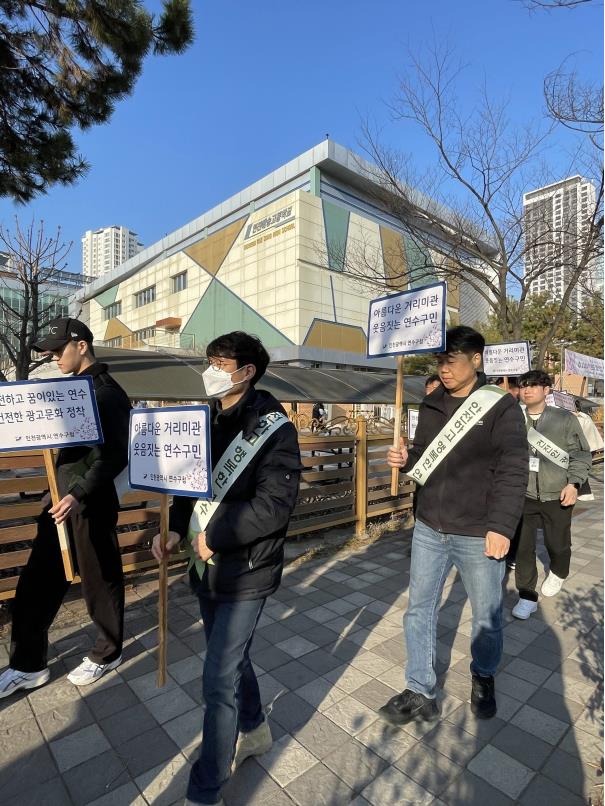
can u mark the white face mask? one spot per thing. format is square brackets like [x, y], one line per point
[218, 381]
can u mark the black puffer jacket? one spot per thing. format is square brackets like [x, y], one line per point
[480, 486]
[247, 532]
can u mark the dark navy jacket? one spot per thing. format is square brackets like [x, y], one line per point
[247, 532]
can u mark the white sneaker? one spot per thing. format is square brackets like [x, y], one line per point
[255, 743]
[551, 585]
[12, 680]
[524, 608]
[88, 671]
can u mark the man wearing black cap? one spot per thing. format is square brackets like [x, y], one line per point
[89, 503]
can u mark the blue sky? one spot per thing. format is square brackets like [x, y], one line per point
[265, 81]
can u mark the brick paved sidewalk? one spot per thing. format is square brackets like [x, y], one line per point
[329, 652]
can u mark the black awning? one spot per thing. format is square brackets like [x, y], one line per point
[150, 375]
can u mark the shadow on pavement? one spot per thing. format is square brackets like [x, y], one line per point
[328, 652]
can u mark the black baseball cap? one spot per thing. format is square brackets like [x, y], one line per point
[60, 332]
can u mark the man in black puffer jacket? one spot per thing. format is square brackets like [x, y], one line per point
[469, 504]
[89, 505]
[239, 552]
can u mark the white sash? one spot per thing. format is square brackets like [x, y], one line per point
[456, 428]
[228, 469]
[548, 449]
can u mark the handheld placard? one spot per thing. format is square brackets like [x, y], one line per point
[163, 594]
[507, 359]
[397, 434]
[55, 497]
[46, 414]
[406, 323]
[169, 453]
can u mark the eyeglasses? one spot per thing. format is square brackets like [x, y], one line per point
[525, 384]
[218, 363]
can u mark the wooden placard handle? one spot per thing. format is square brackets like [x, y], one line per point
[505, 383]
[55, 497]
[398, 412]
[163, 594]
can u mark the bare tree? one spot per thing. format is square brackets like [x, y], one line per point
[30, 293]
[550, 5]
[575, 103]
[463, 221]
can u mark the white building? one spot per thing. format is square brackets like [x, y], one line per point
[555, 216]
[104, 249]
[272, 260]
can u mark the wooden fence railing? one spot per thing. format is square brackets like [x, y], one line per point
[345, 480]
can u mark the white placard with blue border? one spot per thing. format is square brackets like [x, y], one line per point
[48, 413]
[511, 358]
[169, 450]
[409, 322]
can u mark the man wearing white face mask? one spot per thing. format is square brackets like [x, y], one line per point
[238, 551]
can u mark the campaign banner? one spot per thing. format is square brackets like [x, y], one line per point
[561, 400]
[585, 365]
[169, 450]
[412, 423]
[511, 358]
[48, 413]
[409, 322]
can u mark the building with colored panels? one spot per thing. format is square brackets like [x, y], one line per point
[273, 261]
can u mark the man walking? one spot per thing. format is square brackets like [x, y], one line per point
[559, 463]
[431, 383]
[469, 459]
[85, 477]
[238, 546]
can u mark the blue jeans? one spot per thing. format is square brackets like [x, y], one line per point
[434, 554]
[230, 690]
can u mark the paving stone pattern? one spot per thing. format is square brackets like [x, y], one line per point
[328, 652]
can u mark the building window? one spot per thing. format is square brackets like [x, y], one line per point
[145, 333]
[117, 342]
[179, 282]
[113, 310]
[144, 297]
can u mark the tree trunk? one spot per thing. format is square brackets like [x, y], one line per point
[22, 370]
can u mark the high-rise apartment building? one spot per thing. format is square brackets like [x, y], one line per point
[556, 219]
[104, 249]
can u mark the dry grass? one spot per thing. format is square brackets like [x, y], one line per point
[354, 542]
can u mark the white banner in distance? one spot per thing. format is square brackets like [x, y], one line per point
[585, 365]
[412, 423]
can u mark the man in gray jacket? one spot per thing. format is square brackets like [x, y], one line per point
[559, 463]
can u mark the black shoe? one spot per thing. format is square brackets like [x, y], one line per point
[511, 565]
[409, 706]
[483, 697]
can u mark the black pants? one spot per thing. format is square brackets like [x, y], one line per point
[42, 587]
[555, 522]
[511, 556]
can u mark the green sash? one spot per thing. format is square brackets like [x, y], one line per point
[457, 427]
[226, 472]
[547, 448]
